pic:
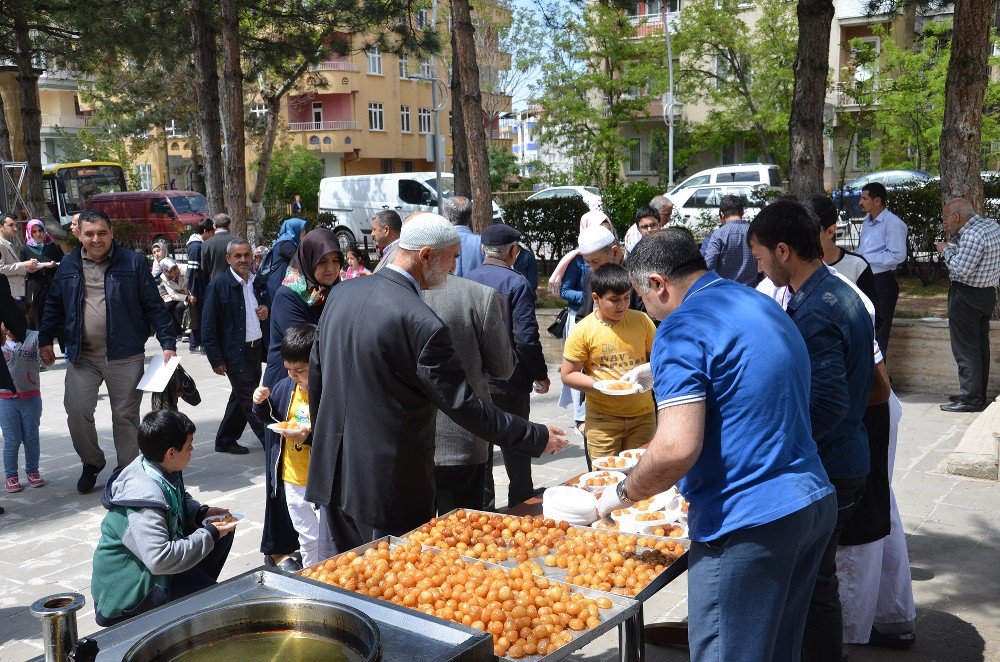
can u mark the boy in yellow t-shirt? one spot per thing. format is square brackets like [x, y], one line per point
[604, 346]
[289, 402]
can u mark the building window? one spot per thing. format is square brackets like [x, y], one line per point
[386, 166]
[407, 166]
[317, 108]
[144, 176]
[374, 60]
[258, 110]
[376, 120]
[635, 155]
[423, 19]
[404, 62]
[424, 120]
[426, 69]
[404, 118]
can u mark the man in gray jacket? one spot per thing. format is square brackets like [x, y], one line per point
[474, 315]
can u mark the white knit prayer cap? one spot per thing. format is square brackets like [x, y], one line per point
[594, 239]
[427, 229]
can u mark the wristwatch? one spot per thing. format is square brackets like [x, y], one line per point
[620, 489]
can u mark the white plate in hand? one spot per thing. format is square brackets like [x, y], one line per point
[273, 427]
[602, 386]
[216, 518]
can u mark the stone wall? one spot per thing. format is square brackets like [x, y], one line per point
[920, 358]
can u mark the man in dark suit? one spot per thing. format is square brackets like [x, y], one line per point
[382, 365]
[500, 245]
[475, 319]
[213, 250]
[203, 232]
[231, 331]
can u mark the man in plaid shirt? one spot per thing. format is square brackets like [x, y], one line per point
[974, 267]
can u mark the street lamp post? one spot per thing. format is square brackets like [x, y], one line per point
[669, 102]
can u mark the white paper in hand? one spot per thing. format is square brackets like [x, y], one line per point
[158, 375]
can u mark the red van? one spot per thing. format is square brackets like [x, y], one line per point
[142, 217]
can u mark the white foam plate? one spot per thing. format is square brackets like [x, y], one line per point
[209, 520]
[599, 489]
[273, 427]
[633, 454]
[602, 386]
[629, 465]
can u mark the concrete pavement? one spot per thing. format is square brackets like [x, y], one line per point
[48, 535]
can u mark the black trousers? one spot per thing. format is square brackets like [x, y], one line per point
[176, 310]
[239, 409]
[824, 634]
[518, 465]
[969, 312]
[195, 339]
[461, 486]
[887, 289]
[346, 533]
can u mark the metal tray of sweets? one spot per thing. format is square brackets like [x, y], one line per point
[670, 573]
[622, 608]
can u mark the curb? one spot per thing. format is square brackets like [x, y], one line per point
[976, 455]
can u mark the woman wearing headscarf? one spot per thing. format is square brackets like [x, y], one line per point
[278, 258]
[567, 282]
[314, 269]
[38, 245]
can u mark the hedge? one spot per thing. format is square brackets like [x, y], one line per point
[550, 227]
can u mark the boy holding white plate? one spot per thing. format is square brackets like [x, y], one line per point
[599, 351]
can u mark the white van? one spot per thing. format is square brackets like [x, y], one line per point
[747, 174]
[355, 199]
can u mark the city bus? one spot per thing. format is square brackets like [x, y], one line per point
[67, 186]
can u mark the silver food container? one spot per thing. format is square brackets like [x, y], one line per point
[328, 628]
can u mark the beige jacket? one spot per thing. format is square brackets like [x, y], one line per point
[12, 267]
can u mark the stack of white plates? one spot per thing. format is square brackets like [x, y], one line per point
[570, 504]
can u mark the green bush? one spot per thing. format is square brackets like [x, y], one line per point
[294, 171]
[549, 227]
[275, 216]
[620, 202]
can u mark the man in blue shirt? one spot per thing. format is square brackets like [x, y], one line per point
[839, 336]
[730, 374]
[726, 251]
[883, 244]
[458, 210]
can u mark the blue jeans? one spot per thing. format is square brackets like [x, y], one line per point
[749, 591]
[19, 421]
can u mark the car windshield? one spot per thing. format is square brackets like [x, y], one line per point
[592, 189]
[190, 204]
[447, 186]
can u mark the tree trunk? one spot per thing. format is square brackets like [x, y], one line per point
[235, 179]
[460, 148]
[5, 150]
[206, 77]
[464, 52]
[805, 126]
[31, 118]
[965, 89]
[257, 211]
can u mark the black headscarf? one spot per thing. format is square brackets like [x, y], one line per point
[301, 275]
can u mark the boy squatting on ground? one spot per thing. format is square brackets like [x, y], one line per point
[155, 546]
[604, 346]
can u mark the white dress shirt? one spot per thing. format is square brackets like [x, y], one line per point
[253, 331]
[883, 241]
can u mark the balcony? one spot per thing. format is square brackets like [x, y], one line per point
[501, 134]
[652, 24]
[67, 121]
[337, 64]
[332, 125]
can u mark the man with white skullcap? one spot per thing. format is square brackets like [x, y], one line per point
[598, 247]
[382, 366]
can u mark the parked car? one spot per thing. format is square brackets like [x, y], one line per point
[747, 174]
[143, 217]
[590, 194]
[698, 207]
[357, 198]
[847, 201]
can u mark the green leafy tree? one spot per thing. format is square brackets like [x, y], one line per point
[907, 93]
[503, 165]
[743, 73]
[597, 77]
[294, 171]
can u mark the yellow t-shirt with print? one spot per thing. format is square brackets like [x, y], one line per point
[295, 462]
[608, 352]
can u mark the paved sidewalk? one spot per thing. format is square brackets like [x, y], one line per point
[48, 535]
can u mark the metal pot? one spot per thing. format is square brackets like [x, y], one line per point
[234, 623]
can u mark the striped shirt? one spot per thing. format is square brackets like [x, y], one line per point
[975, 259]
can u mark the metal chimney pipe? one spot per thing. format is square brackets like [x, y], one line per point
[58, 614]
